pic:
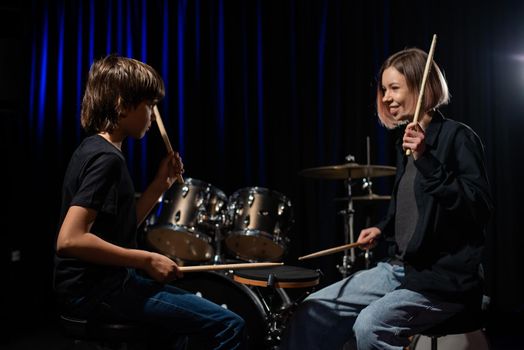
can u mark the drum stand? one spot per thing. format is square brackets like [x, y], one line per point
[269, 287]
[276, 319]
[218, 259]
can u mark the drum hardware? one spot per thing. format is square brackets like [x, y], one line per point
[368, 258]
[349, 258]
[219, 257]
[265, 310]
[270, 284]
[348, 172]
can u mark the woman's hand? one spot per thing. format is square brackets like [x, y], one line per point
[414, 139]
[368, 237]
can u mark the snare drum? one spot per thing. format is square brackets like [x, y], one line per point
[259, 220]
[188, 215]
[278, 277]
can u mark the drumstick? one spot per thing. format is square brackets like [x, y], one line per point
[198, 268]
[163, 132]
[423, 84]
[330, 251]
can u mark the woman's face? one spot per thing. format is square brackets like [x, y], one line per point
[398, 99]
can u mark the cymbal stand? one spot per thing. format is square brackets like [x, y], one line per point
[366, 181]
[349, 257]
[367, 184]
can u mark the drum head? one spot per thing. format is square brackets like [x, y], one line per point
[238, 298]
[254, 247]
[281, 276]
[179, 242]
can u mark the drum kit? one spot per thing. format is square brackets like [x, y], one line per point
[196, 223]
[195, 220]
[189, 225]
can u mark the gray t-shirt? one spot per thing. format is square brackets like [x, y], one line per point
[406, 214]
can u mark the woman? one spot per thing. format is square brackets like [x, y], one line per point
[435, 227]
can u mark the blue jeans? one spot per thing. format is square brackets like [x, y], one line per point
[174, 312]
[366, 310]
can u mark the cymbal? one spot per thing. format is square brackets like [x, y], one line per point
[368, 197]
[348, 171]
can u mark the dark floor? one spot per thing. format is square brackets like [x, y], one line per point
[28, 336]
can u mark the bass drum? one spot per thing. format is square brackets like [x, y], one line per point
[467, 341]
[233, 296]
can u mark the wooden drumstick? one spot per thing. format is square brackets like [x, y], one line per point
[423, 84]
[330, 251]
[163, 132]
[198, 268]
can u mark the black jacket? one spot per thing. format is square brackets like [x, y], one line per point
[442, 258]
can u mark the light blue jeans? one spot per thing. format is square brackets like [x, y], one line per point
[173, 312]
[366, 310]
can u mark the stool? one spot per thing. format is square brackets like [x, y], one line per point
[106, 334]
[466, 321]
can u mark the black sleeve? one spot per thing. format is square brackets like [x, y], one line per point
[463, 186]
[98, 184]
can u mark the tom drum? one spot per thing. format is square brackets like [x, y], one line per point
[188, 215]
[259, 222]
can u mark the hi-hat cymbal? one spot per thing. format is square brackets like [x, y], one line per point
[348, 171]
[368, 197]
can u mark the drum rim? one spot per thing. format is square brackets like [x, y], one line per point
[282, 244]
[215, 189]
[258, 189]
[256, 233]
[243, 276]
[185, 229]
[246, 273]
[208, 241]
[277, 284]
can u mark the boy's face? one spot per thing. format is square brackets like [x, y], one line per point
[135, 122]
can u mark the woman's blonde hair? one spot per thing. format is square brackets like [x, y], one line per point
[411, 63]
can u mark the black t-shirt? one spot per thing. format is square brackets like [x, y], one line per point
[97, 177]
